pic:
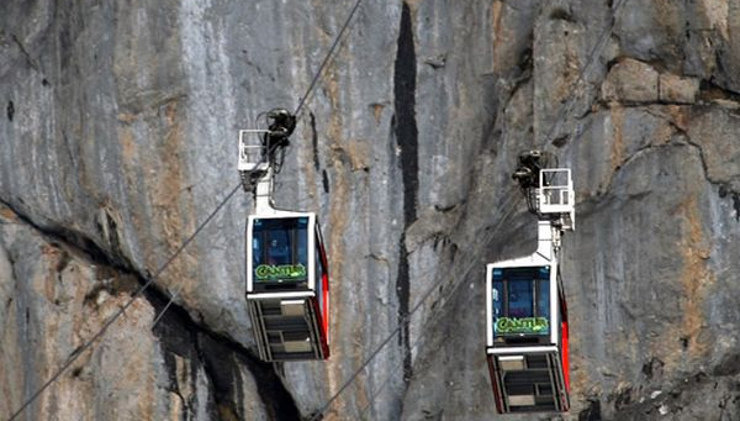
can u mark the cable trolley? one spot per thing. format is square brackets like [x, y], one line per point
[287, 275]
[526, 312]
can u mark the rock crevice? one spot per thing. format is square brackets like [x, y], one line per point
[406, 134]
[219, 358]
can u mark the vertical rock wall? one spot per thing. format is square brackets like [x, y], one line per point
[118, 139]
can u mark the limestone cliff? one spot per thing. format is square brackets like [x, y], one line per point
[118, 138]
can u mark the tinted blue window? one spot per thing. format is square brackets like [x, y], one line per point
[521, 301]
[520, 295]
[543, 293]
[280, 249]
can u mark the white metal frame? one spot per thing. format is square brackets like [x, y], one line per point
[251, 155]
[522, 350]
[311, 229]
[557, 198]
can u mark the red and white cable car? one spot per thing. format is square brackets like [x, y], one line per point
[287, 269]
[526, 313]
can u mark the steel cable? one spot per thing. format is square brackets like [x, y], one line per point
[434, 318]
[174, 295]
[80, 350]
[511, 204]
[598, 47]
[302, 102]
[334, 45]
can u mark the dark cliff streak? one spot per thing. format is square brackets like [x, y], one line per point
[314, 141]
[325, 181]
[315, 149]
[406, 133]
[180, 335]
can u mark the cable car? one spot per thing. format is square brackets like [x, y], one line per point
[287, 270]
[288, 286]
[527, 334]
[526, 312]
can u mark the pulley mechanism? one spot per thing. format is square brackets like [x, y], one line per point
[281, 126]
[528, 172]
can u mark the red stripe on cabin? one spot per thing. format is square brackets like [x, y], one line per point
[564, 354]
[325, 300]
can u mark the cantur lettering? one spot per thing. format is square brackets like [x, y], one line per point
[522, 325]
[267, 272]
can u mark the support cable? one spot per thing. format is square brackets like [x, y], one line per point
[80, 350]
[511, 204]
[146, 285]
[597, 50]
[510, 207]
[175, 294]
[334, 45]
[273, 148]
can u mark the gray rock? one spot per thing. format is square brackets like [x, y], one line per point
[631, 81]
[655, 31]
[118, 139]
[714, 130]
[677, 89]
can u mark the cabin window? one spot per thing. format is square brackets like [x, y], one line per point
[521, 301]
[280, 250]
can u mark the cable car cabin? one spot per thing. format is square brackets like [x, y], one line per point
[288, 286]
[527, 336]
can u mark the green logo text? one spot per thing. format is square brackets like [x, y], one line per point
[536, 325]
[268, 272]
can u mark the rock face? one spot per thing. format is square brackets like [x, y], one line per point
[118, 139]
